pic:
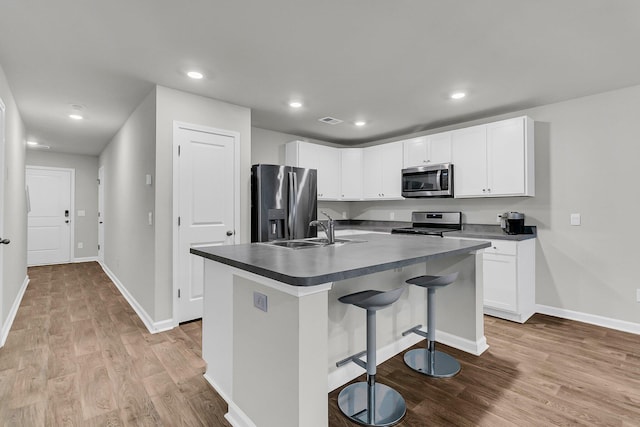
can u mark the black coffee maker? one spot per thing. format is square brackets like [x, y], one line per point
[512, 222]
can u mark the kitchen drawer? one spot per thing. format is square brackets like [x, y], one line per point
[502, 247]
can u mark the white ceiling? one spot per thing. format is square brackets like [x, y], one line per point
[390, 62]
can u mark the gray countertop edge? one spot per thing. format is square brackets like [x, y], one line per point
[336, 276]
[470, 231]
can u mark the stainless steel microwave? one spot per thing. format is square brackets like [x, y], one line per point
[428, 181]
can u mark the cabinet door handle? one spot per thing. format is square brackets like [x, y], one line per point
[229, 233]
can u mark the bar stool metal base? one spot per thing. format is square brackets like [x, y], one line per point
[444, 366]
[389, 406]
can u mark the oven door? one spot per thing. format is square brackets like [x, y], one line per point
[428, 181]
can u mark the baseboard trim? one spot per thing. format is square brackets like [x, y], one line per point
[235, 415]
[473, 347]
[152, 327]
[6, 326]
[237, 418]
[593, 319]
[85, 259]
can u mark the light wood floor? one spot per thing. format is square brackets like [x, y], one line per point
[77, 354]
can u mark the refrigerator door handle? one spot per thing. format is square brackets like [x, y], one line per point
[293, 192]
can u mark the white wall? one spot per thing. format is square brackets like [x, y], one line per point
[586, 156]
[128, 238]
[139, 254]
[14, 209]
[173, 105]
[86, 195]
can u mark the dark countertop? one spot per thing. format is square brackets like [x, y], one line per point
[470, 231]
[492, 232]
[308, 267]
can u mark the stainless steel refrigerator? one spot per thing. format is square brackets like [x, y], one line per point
[284, 201]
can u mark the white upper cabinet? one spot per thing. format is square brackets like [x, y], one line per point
[510, 157]
[469, 151]
[326, 160]
[426, 150]
[382, 171]
[351, 176]
[494, 160]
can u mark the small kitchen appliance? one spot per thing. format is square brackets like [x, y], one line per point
[428, 181]
[512, 222]
[432, 223]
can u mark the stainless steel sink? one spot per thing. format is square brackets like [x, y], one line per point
[315, 242]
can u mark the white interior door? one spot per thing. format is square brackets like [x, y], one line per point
[101, 213]
[49, 221]
[206, 170]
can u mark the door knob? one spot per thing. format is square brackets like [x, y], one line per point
[229, 233]
[66, 221]
[4, 241]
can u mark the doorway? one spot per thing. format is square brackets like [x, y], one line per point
[2, 236]
[50, 218]
[101, 214]
[206, 206]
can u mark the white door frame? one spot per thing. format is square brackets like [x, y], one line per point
[2, 172]
[72, 208]
[176, 195]
[101, 213]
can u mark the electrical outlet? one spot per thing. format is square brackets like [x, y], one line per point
[498, 217]
[80, 245]
[392, 216]
[637, 295]
[260, 301]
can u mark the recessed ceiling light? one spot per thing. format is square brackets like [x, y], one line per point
[195, 75]
[360, 123]
[295, 104]
[76, 116]
[458, 95]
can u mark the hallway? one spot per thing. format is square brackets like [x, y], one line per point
[77, 354]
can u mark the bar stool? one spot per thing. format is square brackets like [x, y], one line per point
[370, 403]
[430, 361]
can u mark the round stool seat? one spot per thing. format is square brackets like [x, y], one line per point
[433, 281]
[372, 300]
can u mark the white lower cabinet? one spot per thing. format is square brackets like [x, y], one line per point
[509, 279]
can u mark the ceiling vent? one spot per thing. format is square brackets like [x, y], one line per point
[330, 120]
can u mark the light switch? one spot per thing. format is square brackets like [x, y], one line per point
[575, 219]
[148, 179]
[150, 218]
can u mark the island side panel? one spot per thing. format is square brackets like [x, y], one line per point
[217, 327]
[279, 370]
[459, 306]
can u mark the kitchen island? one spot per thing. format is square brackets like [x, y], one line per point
[273, 329]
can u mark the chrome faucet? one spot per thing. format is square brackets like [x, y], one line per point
[328, 229]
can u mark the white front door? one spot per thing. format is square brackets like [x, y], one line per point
[206, 193]
[49, 220]
[101, 213]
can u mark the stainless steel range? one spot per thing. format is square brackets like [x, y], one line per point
[432, 223]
